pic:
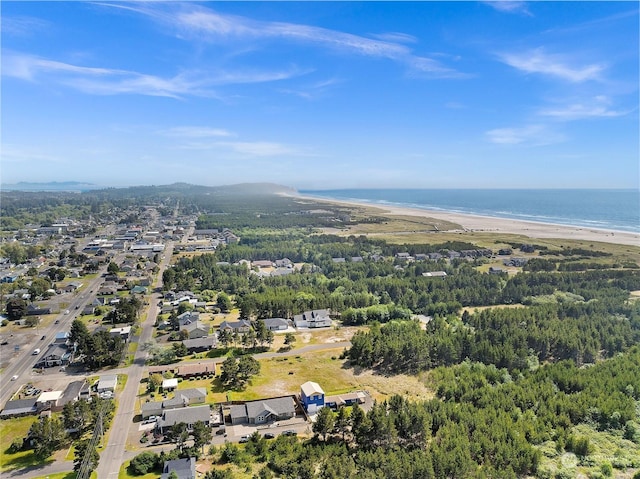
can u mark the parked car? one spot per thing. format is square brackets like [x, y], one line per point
[289, 432]
[269, 436]
[244, 439]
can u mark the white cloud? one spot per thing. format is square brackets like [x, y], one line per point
[106, 81]
[596, 108]
[202, 23]
[509, 6]
[313, 90]
[530, 135]
[537, 61]
[197, 132]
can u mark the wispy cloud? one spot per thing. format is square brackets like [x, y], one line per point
[30, 155]
[108, 81]
[259, 148]
[509, 6]
[22, 26]
[529, 135]
[395, 37]
[537, 61]
[196, 132]
[599, 107]
[201, 23]
[312, 91]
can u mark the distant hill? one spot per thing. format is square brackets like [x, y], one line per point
[68, 186]
[186, 189]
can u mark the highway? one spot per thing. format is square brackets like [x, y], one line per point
[25, 360]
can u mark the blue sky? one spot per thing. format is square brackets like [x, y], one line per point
[322, 94]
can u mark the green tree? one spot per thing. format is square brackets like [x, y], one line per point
[201, 434]
[229, 372]
[32, 321]
[16, 253]
[113, 268]
[324, 423]
[47, 435]
[16, 308]
[39, 287]
[76, 415]
[225, 337]
[144, 463]
[154, 382]
[224, 302]
[289, 339]
[83, 448]
[342, 422]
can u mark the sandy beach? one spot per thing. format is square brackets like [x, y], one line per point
[501, 225]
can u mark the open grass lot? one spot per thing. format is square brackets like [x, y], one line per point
[124, 473]
[17, 428]
[284, 375]
[409, 224]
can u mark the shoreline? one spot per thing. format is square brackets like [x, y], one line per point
[492, 224]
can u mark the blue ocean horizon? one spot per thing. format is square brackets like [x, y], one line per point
[607, 209]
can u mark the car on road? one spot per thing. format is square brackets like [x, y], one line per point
[269, 436]
[244, 439]
[14, 377]
[57, 321]
[289, 432]
[36, 352]
[43, 337]
[66, 311]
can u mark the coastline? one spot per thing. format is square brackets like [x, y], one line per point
[491, 224]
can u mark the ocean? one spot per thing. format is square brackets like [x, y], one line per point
[609, 209]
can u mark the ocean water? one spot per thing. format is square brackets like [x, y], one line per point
[617, 210]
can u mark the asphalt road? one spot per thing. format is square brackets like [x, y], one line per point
[25, 360]
[113, 455]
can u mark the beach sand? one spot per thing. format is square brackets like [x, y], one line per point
[488, 224]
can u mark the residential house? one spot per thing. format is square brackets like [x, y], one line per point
[195, 328]
[169, 384]
[347, 399]
[241, 326]
[311, 396]
[318, 318]
[276, 324]
[107, 383]
[182, 398]
[35, 310]
[283, 263]
[20, 407]
[123, 332]
[199, 345]
[56, 355]
[263, 411]
[435, 274]
[183, 468]
[199, 370]
[188, 415]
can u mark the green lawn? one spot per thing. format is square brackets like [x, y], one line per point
[124, 474]
[11, 429]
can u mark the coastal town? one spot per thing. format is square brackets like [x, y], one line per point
[105, 335]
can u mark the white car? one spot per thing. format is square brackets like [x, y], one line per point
[14, 377]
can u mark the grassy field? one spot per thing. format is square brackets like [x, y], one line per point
[11, 429]
[284, 375]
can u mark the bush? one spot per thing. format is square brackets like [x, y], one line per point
[143, 463]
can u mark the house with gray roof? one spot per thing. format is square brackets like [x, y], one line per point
[183, 398]
[188, 415]
[318, 318]
[20, 407]
[263, 411]
[184, 468]
[241, 326]
[276, 324]
[199, 345]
